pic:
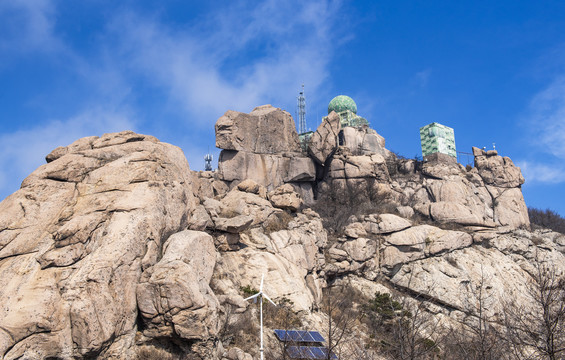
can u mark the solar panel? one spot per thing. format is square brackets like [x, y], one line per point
[294, 352]
[316, 336]
[318, 353]
[294, 335]
[307, 337]
[300, 336]
[307, 352]
[281, 335]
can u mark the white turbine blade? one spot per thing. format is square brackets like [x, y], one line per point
[268, 298]
[261, 287]
[253, 296]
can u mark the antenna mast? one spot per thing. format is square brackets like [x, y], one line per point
[208, 161]
[301, 112]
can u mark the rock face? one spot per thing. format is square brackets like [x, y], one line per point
[263, 146]
[115, 245]
[325, 141]
[76, 239]
[497, 170]
[364, 141]
[265, 130]
[174, 296]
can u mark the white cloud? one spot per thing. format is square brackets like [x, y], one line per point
[25, 150]
[237, 58]
[234, 58]
[548, 119]
[542, 173]
[546, 131]
[28, 26]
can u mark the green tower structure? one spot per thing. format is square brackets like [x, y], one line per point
[346, 108]
[438, 143]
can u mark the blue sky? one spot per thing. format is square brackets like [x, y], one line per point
[494, 71]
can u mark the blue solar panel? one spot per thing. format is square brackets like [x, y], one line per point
[294, 335]
[294, 352]
[318, 353]
[306, 337]
[299, 336]
[316, 336]
[281, 335]
[307, 352]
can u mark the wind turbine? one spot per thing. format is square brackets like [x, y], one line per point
[260, 295]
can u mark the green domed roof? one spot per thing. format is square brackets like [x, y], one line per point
[341, 103]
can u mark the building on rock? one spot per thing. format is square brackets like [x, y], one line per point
[438, 143]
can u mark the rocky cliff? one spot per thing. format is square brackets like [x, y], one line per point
[114, 248]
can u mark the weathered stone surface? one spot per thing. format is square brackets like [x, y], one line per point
[282, 277]
[388, 223]
[498, 171]
[442, 170]
[252, 187]
[233, 225]
[200, 219]
[74, 239]
[366, 166]
[207, 184]
[324, 141]
[237, 354]
[174, 295]
[445, 211]
[363, 141]
[300, 169]
[284, 197]
[421, 241]
[360, 249]
[265, 169]
[510, 208]
[450, 279]
[355, 230]
[405, 211]
[265, 130]
[242, 203]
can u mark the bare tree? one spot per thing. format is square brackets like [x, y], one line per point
[477, 336]
[282, 317]
[414, 332]
[338, 305]
[537, 330]
[407, 329]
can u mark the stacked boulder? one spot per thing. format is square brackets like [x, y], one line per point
[263, 146]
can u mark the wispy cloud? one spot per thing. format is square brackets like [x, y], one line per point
[542, 173]
[27, 26]
[423, 77]
[548, 118]
[546, 133]
[25, 150]
[235, 59]
[232, 58]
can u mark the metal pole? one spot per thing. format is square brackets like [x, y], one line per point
[261, 305]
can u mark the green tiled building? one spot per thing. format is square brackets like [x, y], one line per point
[346, 108]
[438, 141]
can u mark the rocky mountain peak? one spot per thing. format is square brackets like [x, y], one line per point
[114, 248]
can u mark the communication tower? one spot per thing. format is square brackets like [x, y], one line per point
[301, 112]
[208, 162]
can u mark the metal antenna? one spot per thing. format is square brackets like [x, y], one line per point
[301, 112]
[208, 161]
[259, 296]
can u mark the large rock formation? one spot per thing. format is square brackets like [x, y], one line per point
[115, 247]
[263, 146]
[76, 239]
